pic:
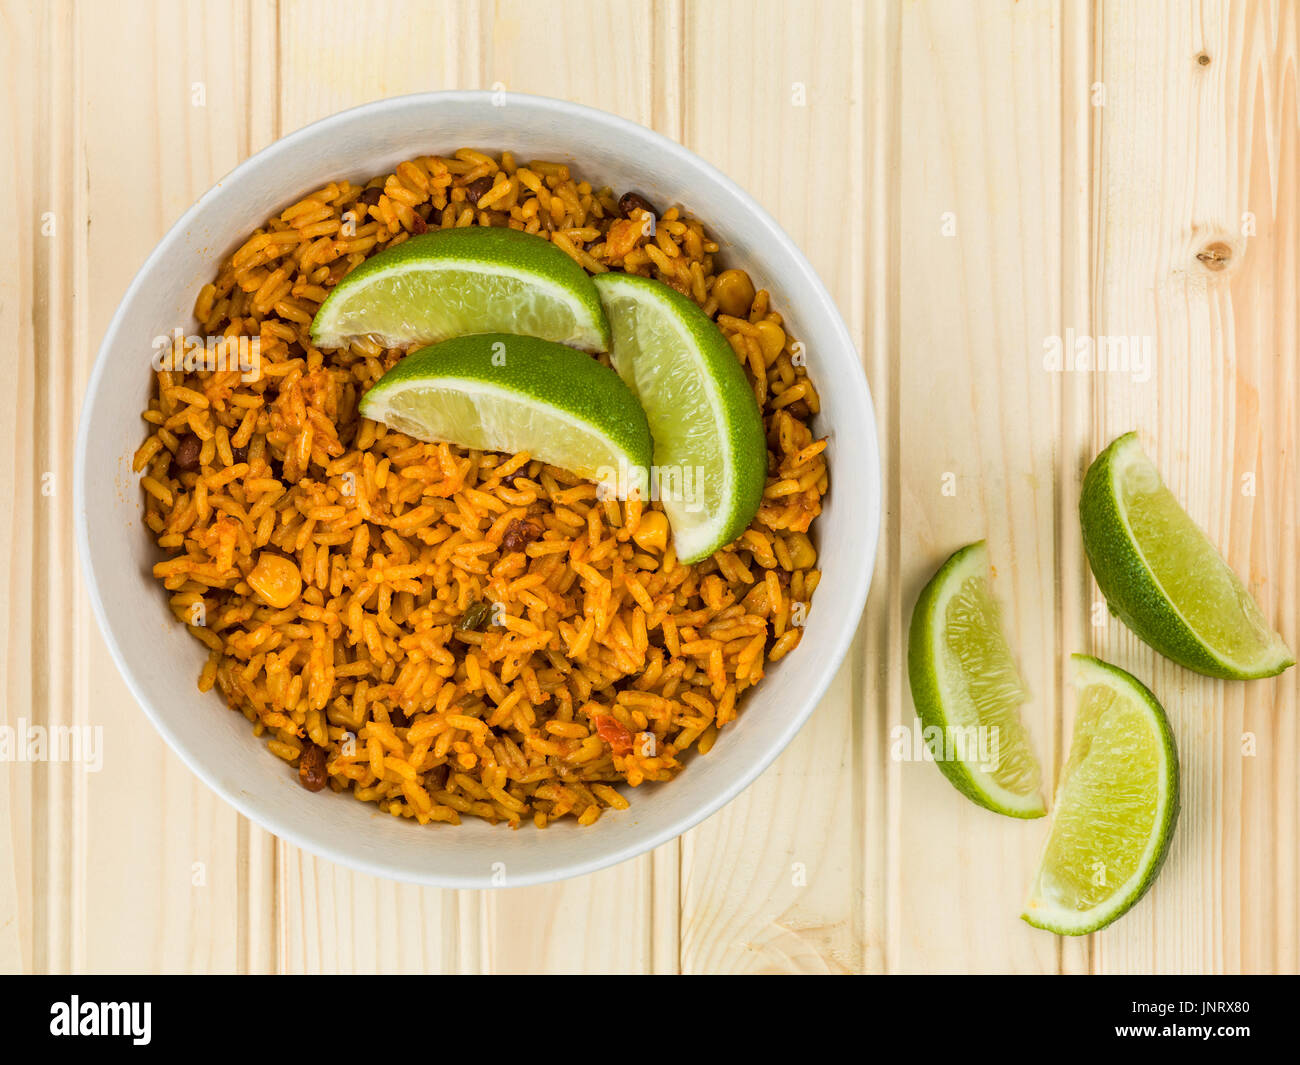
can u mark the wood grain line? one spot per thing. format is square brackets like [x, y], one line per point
[19, 43]
[1075, 398]
[880, 651]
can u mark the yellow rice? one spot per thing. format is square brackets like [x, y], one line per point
[417, 662]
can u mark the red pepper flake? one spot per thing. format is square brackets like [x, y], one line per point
[613, 732]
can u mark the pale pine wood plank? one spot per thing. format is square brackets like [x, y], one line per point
[622, 919]
[61, 792]
[25, 62]
[334, 920]
[41, 922]
[1266, 339]
[598, 53]
[981, 152]
[1079, 130]
[776, 110]
[879, 651]
[1187, 149]
[335, 55]
[189, 901]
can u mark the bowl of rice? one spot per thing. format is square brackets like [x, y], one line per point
[446, 666]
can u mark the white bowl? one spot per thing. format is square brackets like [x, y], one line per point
[161, 661]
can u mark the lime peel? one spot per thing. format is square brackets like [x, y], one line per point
[963, 677]
[1116, 806]
[1163, 577]
[452, 282]
[703, 415]
[499, 392]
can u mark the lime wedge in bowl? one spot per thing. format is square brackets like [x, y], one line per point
[479, 279]
[968, 691]
[1163, 578]
[498, 392]
[1115, 809]
[707, 429]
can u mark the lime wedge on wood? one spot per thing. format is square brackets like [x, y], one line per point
[497, 392]
[967, 689]
[1163, 578]
[707, 429]
[1115, 809]
[479, 279]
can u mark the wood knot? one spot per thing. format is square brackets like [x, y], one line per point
[1215, 256]
[1203, 59]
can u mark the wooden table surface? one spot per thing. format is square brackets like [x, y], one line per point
[972, 180]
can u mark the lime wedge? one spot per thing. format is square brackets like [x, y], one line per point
[478, 279]
[497, 392]
[1162, 576]
[710, 452]
[967, 690]
[1115, 809]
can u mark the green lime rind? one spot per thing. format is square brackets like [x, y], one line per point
[932, 683]
[1050, 914]
[1125, 574]
[700, 405]
[499, 392]
[452, 282]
